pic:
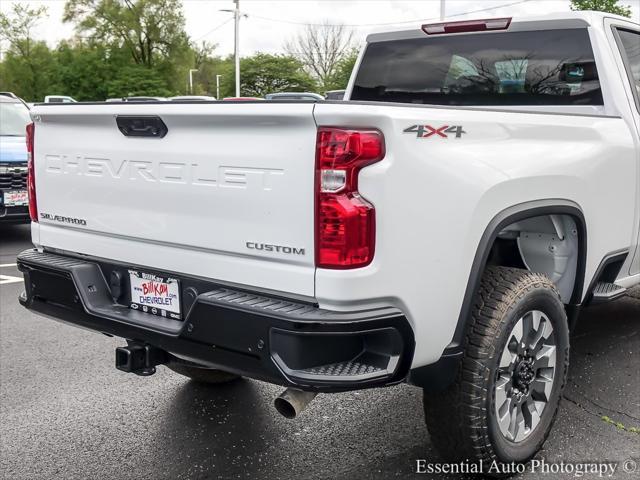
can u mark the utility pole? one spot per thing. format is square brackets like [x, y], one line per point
[236, 18]
[218, 87]
[442, 10]
[236, 47]
[191, 70]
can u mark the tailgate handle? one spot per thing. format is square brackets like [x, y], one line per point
[146, 126]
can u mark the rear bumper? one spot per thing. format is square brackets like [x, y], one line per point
[276, 340]
[14, 214]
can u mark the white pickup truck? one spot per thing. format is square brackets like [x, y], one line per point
[442, 227]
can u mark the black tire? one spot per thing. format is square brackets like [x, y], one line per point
[201, 374]
[462, 420]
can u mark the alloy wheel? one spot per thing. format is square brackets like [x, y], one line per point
[525, 376]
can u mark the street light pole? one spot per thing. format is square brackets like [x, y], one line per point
[191, 70]
[218, 87]
[442, 9]
[236, 18]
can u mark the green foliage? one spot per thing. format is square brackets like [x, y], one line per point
[26, 66]
[133, 47]
[263, 73]
[205, 78]
[16, 27]
[620, 426]
[150, 30]
[610, 6]
[28, 77]
[137, 80]
[82, 71]
[340, 78]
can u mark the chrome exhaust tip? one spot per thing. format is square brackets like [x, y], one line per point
[292, 402]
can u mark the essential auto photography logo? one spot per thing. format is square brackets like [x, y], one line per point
[540, 467]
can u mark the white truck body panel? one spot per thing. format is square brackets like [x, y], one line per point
[435, 199]
[632, 116]
[228, 174]
[225, 175]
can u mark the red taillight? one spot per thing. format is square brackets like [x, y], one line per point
[31, 176]
[467, 26]
[345, 222]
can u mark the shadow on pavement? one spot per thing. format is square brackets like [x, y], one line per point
[13, 240]
[219, 429]
[15, 233]
[232, 431]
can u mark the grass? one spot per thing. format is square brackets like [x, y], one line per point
[620, 426]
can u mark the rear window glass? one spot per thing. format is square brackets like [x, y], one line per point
[548, 67]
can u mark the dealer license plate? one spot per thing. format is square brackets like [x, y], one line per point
[16, 198]
[155, 295]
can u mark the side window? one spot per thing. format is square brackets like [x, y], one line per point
[630, 45]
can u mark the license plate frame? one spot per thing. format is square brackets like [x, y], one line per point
[15, 198]
[154, 294]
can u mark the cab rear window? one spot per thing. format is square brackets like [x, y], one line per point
[547, 67]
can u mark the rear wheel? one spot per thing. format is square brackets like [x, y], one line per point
[506, 395]
[201, 374]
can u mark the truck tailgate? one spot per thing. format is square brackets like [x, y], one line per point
[227, 194]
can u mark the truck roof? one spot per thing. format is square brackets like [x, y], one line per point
[558, 20]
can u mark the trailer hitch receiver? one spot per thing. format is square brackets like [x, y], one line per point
[139, 358]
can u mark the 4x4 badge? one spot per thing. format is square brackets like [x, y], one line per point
[426, 131]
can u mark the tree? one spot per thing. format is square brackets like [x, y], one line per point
[263, 73]
[204, 80]
[152, 31]
[202, 52]
[25, 68]
[610, 6]
[148, 29]
[83, 69]
[137, 80]
[320, 48]
[343, 71]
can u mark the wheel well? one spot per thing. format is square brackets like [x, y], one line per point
[547, 244]
[499, 245]
[492, 244]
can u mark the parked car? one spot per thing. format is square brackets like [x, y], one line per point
[14, 118]
[294, 96]
[9, 94]
[334, 95]
[145, 99]
[443, 228]
[241, 99]
[15, 97]
[192, 98]
[136, 99]
[59, 99]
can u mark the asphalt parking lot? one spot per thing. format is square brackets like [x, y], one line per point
[66, 412]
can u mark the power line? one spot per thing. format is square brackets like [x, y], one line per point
[292, 22]
[214, 29]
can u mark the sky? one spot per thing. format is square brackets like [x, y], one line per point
[269, 24]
